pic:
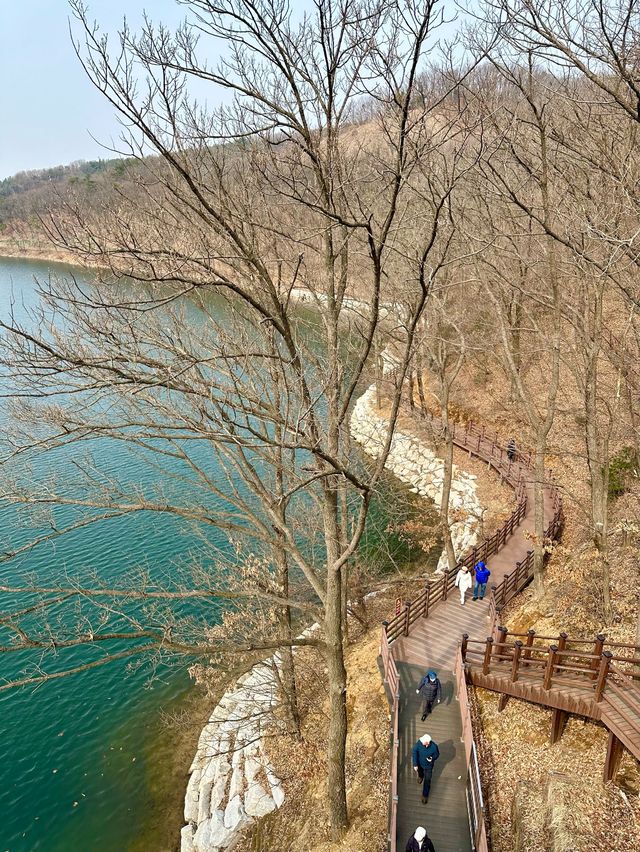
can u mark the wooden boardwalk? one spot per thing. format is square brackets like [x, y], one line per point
[445, 814]
[596, 679]
[433, 641]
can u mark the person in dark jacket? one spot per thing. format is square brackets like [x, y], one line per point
[424, 755]
[482, 576]
[431, 690]
[420, 842]
[511, 449]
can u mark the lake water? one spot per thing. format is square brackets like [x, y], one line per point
[77, 765]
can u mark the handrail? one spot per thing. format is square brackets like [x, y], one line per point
[598, 680]
[392, 681]
[471, 438]
[475, 801]
[598, 644]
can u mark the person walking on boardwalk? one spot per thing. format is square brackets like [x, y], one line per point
[463, 582]
[420, 842]
[424, 755]
[511, 449]
[431, 690]
[482, 576]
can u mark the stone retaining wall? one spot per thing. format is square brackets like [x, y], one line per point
[231, 779]
[415, 463]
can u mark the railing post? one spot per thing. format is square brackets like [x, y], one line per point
[598, 648]
[407, 611]
[603, 672]
[463, 646]
[562, 641]
[531, 635]
[500, 653]
[445, 583]
[504, 590]
[548, 672]
[516, 661]
[384, 651]
[496, 624]
[486, 663]
[426, 600]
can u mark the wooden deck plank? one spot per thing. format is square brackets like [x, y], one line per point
[433, 642]
[445, 814]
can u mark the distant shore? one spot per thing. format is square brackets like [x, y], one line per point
[18, 249]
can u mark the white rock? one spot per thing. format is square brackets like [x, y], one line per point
[204, 801]
[233, 813]
[257, 802]
[219, 836]
[186, 839]
[202, 838]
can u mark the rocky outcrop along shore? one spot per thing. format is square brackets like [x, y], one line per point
[413, 462]
[232, 781]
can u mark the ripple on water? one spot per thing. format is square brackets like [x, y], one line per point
[73, 765]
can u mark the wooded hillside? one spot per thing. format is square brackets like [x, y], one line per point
[464, 221]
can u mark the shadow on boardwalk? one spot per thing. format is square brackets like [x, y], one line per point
[433, 641]
[445, 814]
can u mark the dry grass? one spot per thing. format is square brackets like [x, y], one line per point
[302, 822]
[528, 800]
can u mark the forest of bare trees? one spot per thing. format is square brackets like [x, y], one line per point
[457, 193]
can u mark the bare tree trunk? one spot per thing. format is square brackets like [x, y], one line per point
[288, 676]
[515, 319]
[344, 574]
[538, 490]
[597, 446]
[446, 494]
[420, 381]
[337, 674]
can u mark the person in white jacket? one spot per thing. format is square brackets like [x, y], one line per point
[464, 581]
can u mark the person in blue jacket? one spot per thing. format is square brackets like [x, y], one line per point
[424, 755]
[482, 576]
[431, 690]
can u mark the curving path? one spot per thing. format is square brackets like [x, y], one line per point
[433, 641]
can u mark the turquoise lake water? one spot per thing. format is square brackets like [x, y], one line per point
[74, 753]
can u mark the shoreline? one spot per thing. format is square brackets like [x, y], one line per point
[177, 768]
[12, 250]
[224, 796]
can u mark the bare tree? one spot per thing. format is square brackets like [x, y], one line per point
[237, 214]
[442, 350]
[510, 229]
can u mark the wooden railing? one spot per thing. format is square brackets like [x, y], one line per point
[516, 580]
[392, 684]
[485, 445]
[475, 800]
[607, 674]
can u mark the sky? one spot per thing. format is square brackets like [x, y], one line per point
[50, 114]
[49, 110]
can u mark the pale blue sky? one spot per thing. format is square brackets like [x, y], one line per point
[48, 108]
[49, 111]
